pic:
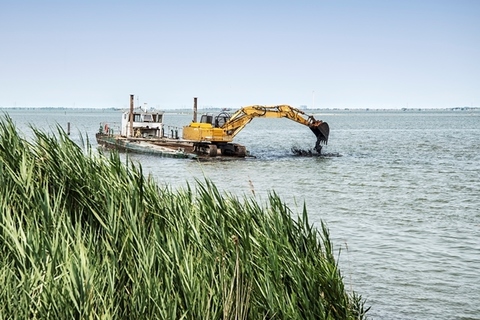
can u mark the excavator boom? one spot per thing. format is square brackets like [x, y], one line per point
[243, 116]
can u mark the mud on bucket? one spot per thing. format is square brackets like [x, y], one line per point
[321, 131]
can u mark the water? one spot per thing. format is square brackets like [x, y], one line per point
[402, 201]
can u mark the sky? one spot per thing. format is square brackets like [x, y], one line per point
[229, 54]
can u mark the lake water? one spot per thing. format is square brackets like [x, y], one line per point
[400, 193]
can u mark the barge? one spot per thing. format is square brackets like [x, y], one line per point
[143, 131]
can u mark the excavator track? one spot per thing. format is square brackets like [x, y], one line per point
[220, 149]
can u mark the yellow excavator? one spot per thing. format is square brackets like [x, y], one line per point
[213, 135]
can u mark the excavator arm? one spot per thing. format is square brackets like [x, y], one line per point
[244, 115]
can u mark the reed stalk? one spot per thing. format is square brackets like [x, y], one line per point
[85, 236]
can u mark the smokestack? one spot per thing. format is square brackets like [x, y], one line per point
[195, 109]
[131, 115]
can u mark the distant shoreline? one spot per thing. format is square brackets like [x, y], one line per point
[210, 109]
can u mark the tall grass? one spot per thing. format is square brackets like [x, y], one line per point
[85, 236]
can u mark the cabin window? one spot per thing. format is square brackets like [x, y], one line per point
[206, 119]
[147, 118]
[136, 118]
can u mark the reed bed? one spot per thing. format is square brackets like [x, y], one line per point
[87, 236]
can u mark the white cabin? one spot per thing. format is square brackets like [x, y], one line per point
[146, 124]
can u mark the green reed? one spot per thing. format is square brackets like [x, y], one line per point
[85, 236]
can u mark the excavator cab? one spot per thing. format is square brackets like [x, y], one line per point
[217, 121]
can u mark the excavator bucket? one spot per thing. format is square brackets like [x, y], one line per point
[321, 131]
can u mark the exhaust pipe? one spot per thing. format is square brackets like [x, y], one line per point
[195, 109]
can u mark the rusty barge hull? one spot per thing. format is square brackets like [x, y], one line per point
[162, 147]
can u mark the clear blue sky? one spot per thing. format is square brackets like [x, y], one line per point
[326, 54]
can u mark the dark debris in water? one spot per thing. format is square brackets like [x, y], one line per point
[312, 153]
